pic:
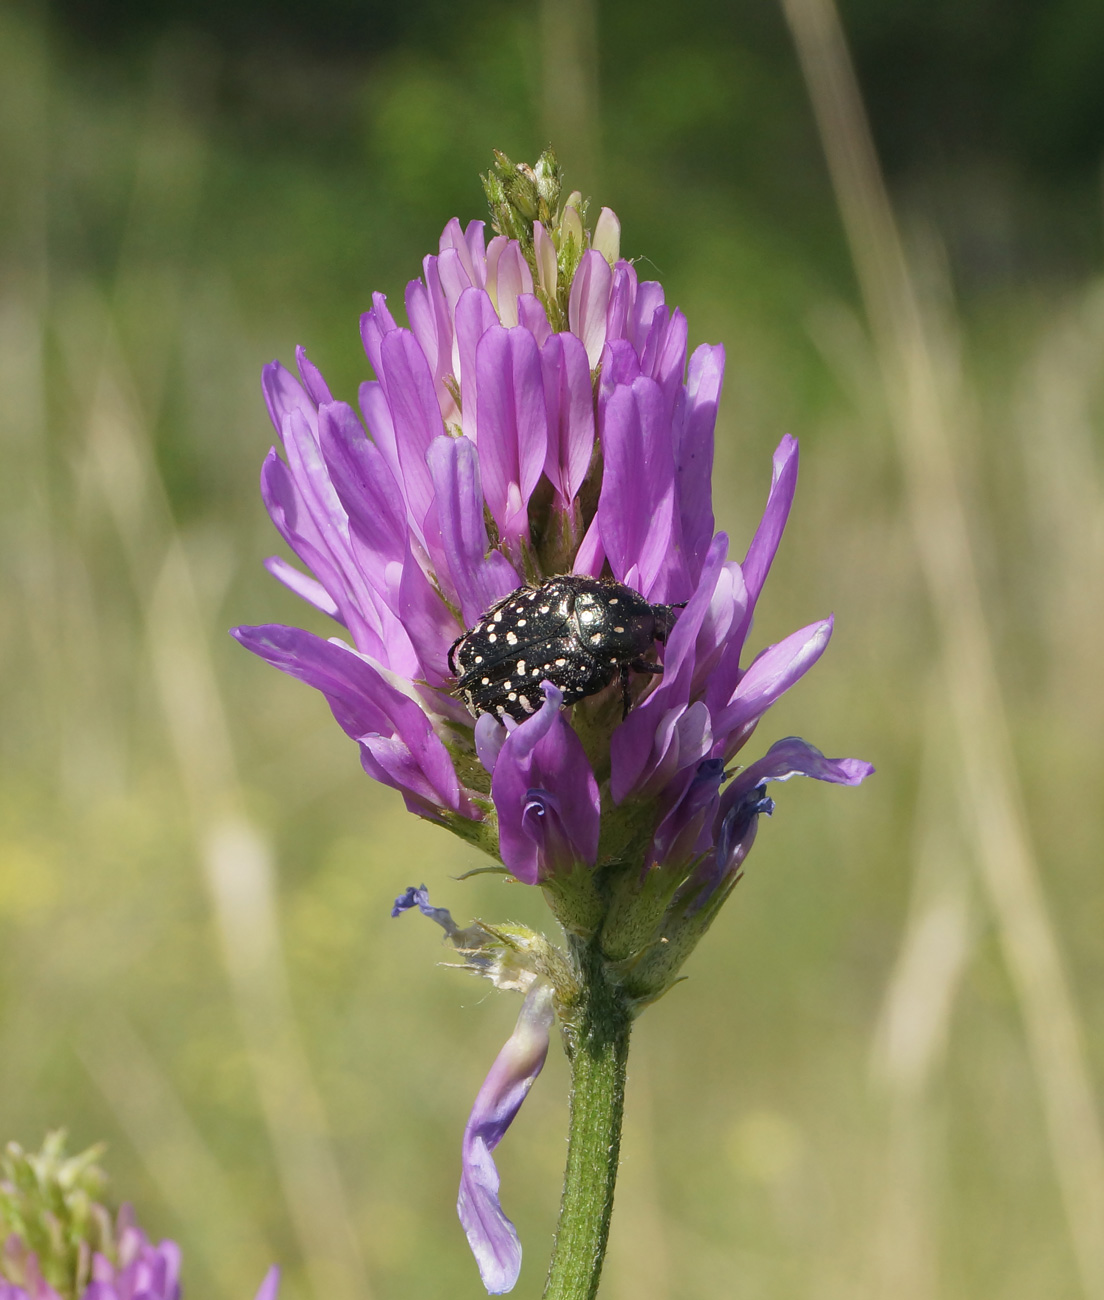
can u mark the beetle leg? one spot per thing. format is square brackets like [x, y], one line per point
[665, 616]
[644, 666]
[451, 652]
[626, 695]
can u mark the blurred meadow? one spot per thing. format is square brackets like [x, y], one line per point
[882, 1078]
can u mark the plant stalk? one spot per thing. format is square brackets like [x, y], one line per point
[598, 1047]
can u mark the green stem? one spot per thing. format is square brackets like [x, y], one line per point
[599, 1049]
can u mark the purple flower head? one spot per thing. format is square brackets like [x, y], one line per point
[58, 1241]
[540, 416]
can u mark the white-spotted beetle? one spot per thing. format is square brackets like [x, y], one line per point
[577, 632]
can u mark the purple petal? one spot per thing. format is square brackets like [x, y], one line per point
[507, 276]
[283, 394]
[491, 1236]
[513, 425]
[769, 677]
[647, 300]
[479, 578]
[411, 396]
[304, 586]
[717, 655]
[469, 248]
[637, 502]
[294, 521]
[455, 280]
[622, 295]
[475, 315]
[590, 558]
[374, 325]
[312, 378]
[544, 254]
[270, 1286]
[745, 799]
[569, 398]
[427, 622]
[679, 834]
[546, 796]
[764, 544]
[475, 238]
[490, 736]
[640, 746]
[427, 313]
[418, 896]
[533, 317]
[664, 356]
[796, 757]
[414, 622]
[398, 744]
[364, 483]
[694, 455]
[377, 417]
[589, 302]
[620, 366]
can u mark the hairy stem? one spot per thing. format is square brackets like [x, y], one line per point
[599, 1050]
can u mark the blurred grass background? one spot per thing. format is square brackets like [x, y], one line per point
[855, 1094]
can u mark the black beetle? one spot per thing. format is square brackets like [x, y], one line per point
[577, 632]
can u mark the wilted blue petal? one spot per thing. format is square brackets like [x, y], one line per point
[492, 1237]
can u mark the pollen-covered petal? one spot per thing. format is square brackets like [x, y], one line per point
[492, 1237]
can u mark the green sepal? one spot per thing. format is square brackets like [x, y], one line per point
[473, 775]
[683, 929]
[576, 901]
[482, 834]
[637, 910]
